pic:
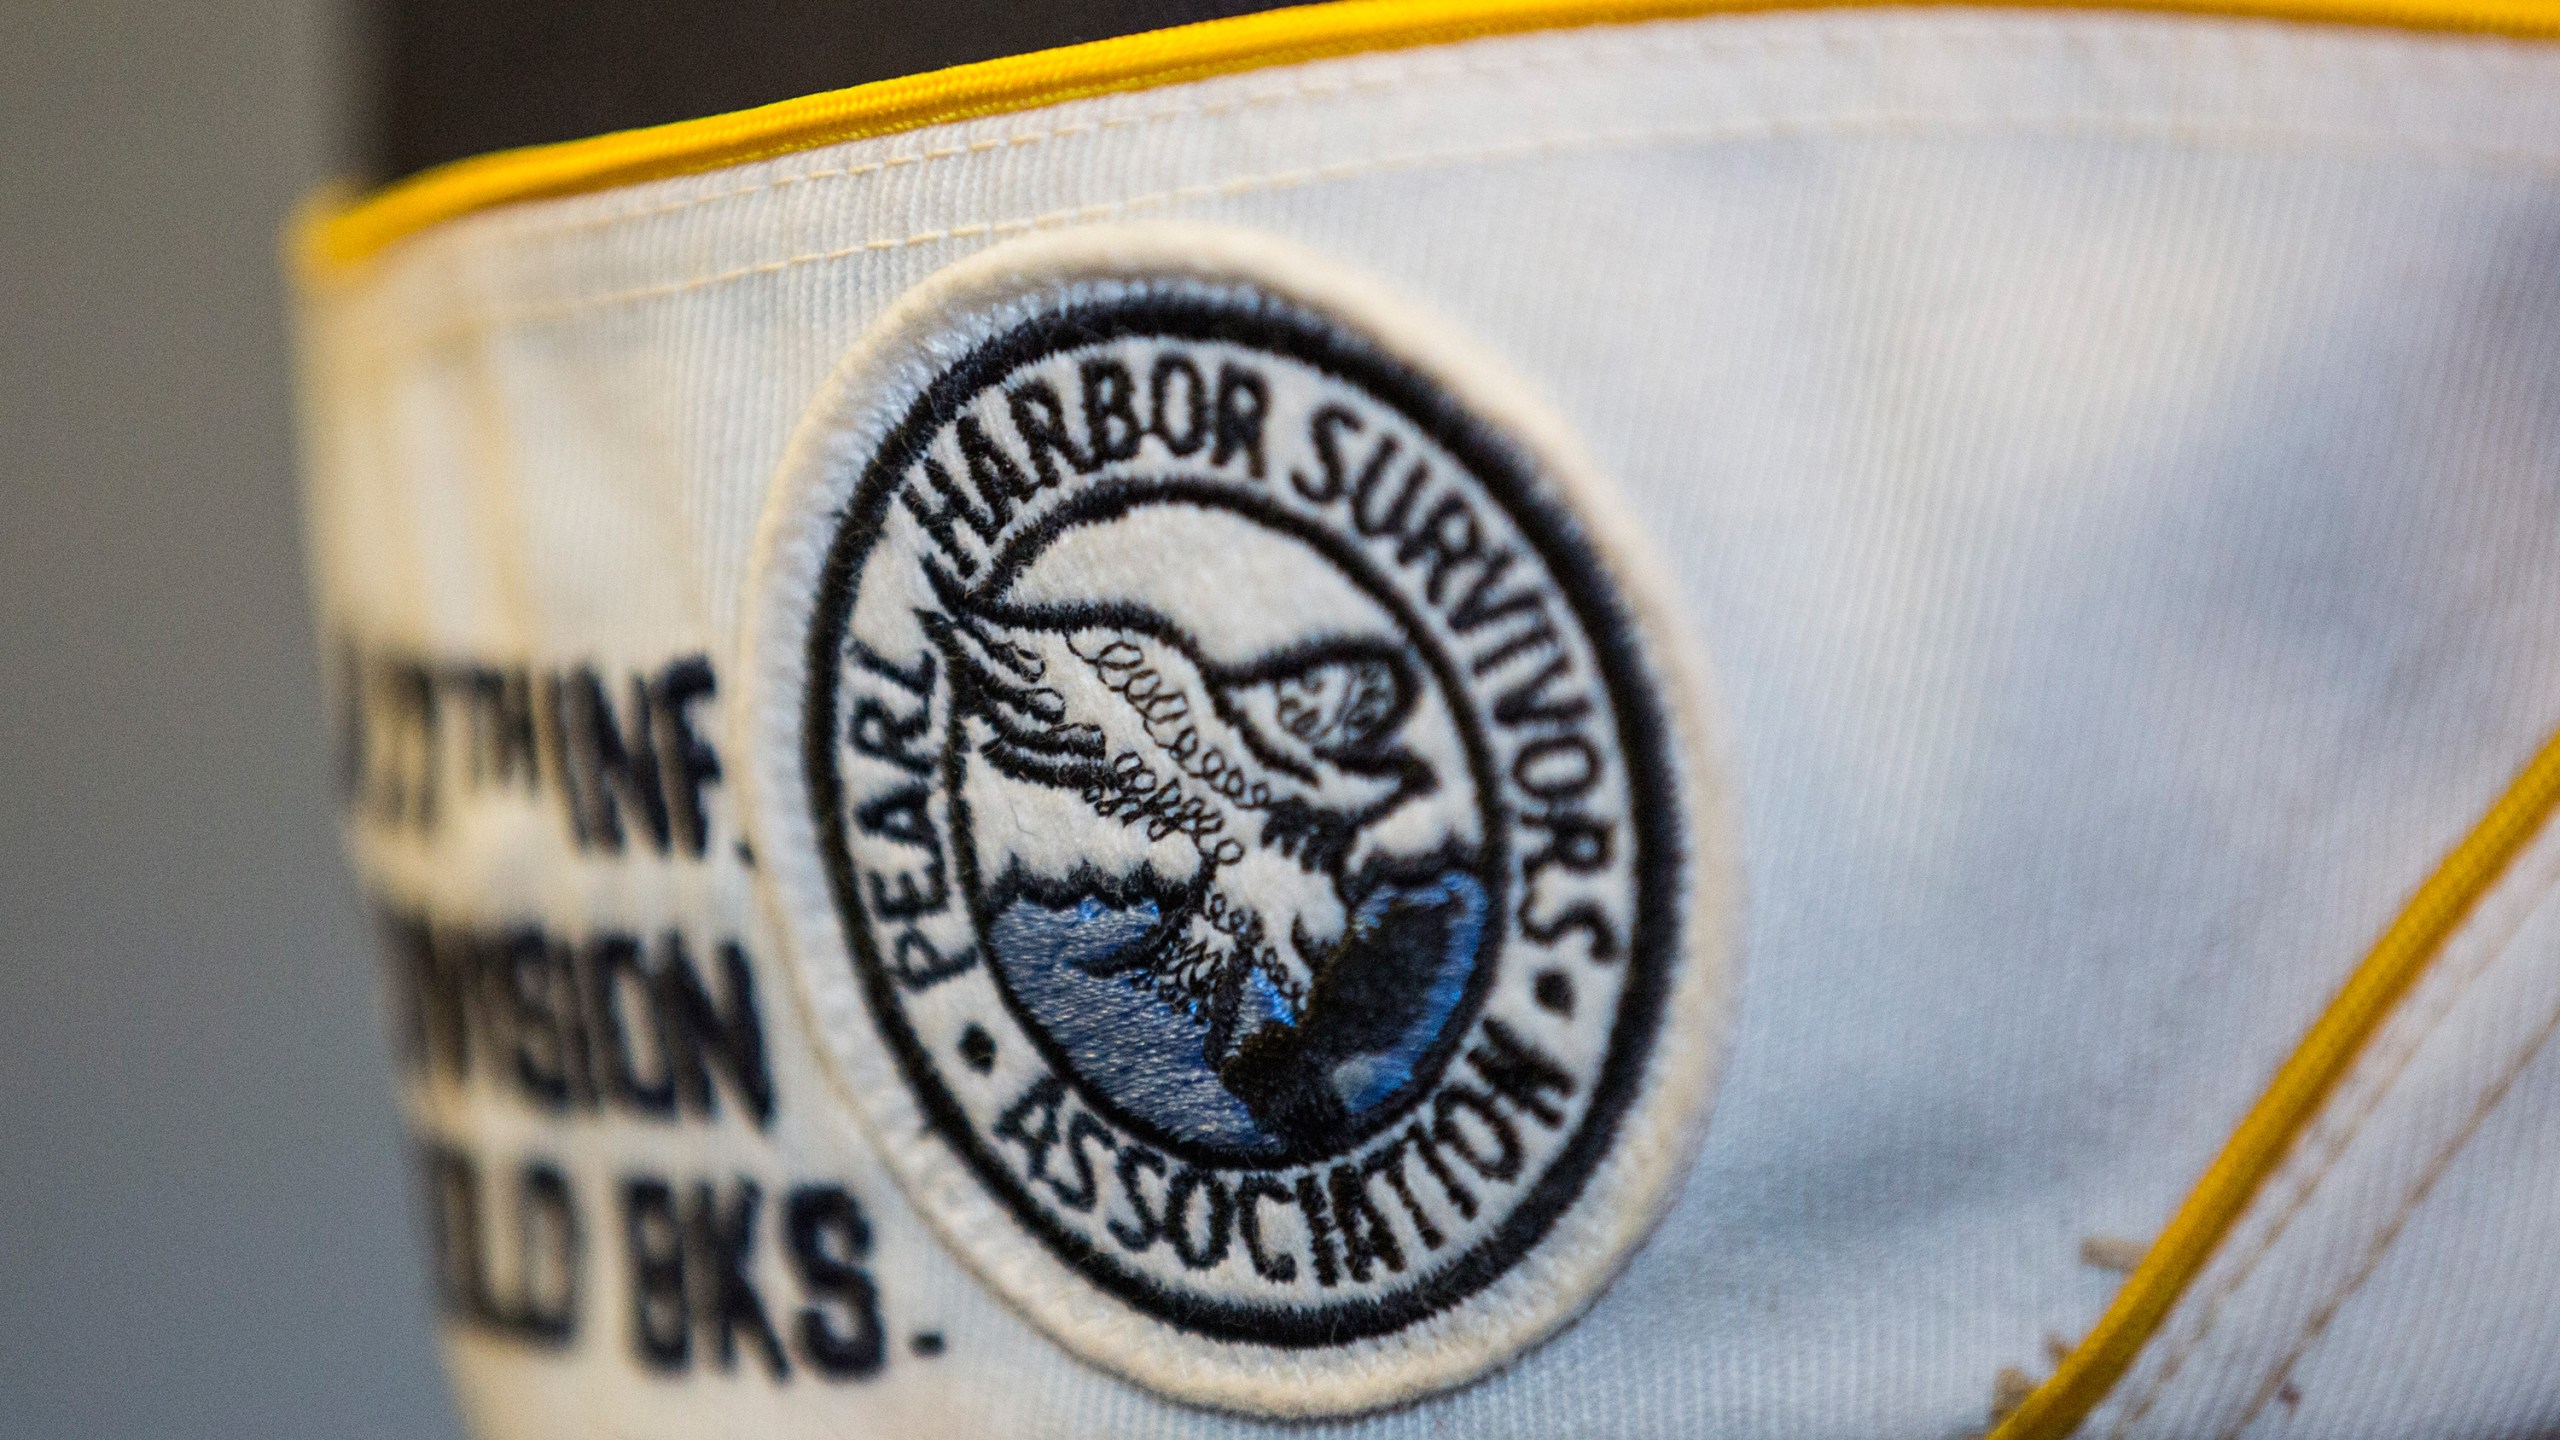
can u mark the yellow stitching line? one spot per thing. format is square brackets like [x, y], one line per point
[2342, 1117]
[1876, 124]
[1311, 88]
[2291, 1102]
[327, 239]
[1305, 88]
[525, 230]
[529, 227]
[505, 316]
[2318, 1323]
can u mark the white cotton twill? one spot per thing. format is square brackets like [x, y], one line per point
[2111, 466]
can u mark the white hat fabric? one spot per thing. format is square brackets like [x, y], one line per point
[2050, 522]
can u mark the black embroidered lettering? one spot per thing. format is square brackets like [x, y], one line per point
[1319, 1232]
[1462, 1198]
[916, 679]
[450, 1183]
[1577, 841]
[614, 963]
[1535, 636]
[992, 473]
[1190, 410]
[551, 721]
[654, 1241]
[616, 764]
[1503, 1163]
[1557, 769]
[1582, 917]
[1389, 1162]
[588, 1024]
[830, 1240]
[1366, 515]
[1520, 1072]
[940, 521]
[537, 1018]
[909, 899]
[500, 705]
[1111, 428]
[1367, 1238]
[1042, 423]
[1032, 1123]
[686, 762]
[1449, 536]
[949, 510]
[878, 733]
[1082, 1131]
[707, 1038]
[519, 1281]
[1209, 1248]
[1481, 605]
[919, 964]
[1250, 1193]
[1528, 702]
[1324, 431]
[723, 1234]
[901, 816]
[434, 998]
[403, 745]
[1134, 1158]
[1244, 399]
[577, 1008]
[551, 1253]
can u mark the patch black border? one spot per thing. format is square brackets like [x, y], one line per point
[1244, 314]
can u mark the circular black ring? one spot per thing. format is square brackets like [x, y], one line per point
[1249, 318]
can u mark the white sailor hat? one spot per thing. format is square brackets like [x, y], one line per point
[1492, 717]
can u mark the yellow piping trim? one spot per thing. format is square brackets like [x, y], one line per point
[334, 236]
[2413, 940]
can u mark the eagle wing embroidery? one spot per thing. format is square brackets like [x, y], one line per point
[1268, 774]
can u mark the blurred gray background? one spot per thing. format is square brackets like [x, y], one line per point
[204, 1224]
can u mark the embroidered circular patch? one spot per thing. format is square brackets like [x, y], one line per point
[1245, 840]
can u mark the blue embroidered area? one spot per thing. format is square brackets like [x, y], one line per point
[1406, 964]
[1456, 902]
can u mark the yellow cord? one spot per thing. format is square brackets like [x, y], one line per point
[2413, 940]
[331, 236]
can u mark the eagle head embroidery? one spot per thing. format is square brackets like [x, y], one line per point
[1265, 773]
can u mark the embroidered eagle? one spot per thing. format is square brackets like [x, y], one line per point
[1267, 772]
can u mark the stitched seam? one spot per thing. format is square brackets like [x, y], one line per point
[1910, 124]
[1390, 72]
[1384, 72]
[2328, 1142]
[1148, 62]
[2317, 1325]
[538, 233]
[2411, 947]
[1539, 51]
